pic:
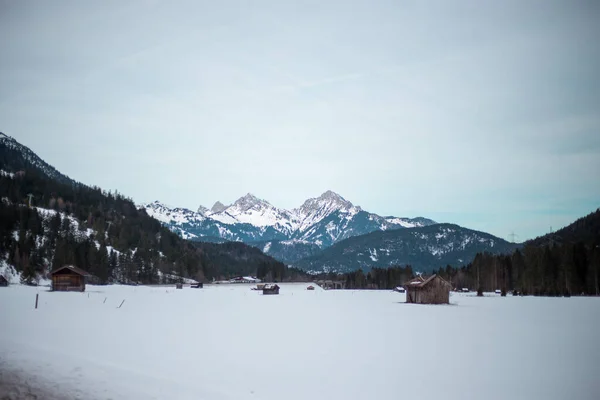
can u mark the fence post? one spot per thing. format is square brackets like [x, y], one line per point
[37, 295]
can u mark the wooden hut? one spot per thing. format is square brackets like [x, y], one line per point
[3, 281]
[270, 289]
[433, 290]
[69, 279]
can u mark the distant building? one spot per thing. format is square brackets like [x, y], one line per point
[69, 279]
[3, 281]
[270, 289]
[433, 290]
[311, 287]
[399, 289]
[328, 284]
[244, 279]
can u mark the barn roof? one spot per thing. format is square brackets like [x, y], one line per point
[270, 286]
[419, 282]
[72, 268]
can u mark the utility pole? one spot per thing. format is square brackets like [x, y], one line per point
[512, 237]
[30, 197]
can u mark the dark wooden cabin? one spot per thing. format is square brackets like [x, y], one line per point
[69, 279]
[270, 289]
[433, 290]
[3, 281]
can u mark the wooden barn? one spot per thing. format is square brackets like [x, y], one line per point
[433, 290]
[3, 281]
[270, 289]
[69, 279]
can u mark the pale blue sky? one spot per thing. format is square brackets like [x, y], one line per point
[484, 114]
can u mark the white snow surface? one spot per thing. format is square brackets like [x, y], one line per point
[8, 174]
[167, 214]
[402, 222]
[213, 343]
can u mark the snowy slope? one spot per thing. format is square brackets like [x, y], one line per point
[322, 221]
[211, 344]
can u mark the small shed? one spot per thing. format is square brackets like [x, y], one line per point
[69, 279]
[270, 289]
[399, 289]
[311, 287]
[433, 290]
[3, 281]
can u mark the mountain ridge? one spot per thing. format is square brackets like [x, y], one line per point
[321, 220]
[425, 248]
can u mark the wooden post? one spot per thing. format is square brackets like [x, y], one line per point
[104, 300]
[37, 295]
[121, 304]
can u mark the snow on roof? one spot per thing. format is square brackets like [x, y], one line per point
[78, 271]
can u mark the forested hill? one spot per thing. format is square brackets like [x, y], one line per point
[585, 230]
[16, 157]
[48, 220]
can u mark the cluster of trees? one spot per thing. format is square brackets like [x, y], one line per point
[376, 278]
[548, 270]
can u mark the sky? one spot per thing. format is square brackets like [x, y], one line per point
[484, 114]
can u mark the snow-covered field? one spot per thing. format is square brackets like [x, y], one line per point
[228, 342]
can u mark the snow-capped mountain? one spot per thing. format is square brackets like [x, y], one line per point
[321, 221]
[256, 212]
[424, 248]
[21, 158]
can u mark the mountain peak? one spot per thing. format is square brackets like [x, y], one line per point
[202, 210]
[218, 207]
[248, 201]
[331, 195]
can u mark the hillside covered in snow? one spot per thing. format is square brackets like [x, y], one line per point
[48, 221]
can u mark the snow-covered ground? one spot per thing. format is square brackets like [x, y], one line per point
[228, 342]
